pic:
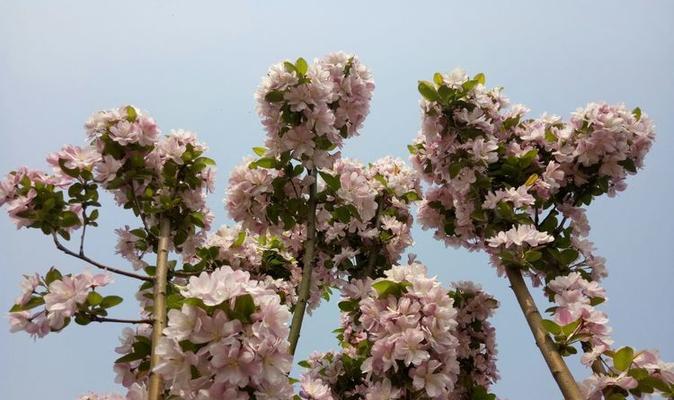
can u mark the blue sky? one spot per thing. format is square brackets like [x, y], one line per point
[195, 65]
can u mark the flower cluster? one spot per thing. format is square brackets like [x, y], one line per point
[225, 338]
[577, 320]
[362, 212]
[149, 174]
[476, 352]
[398, 334]
[64, 297]
[493, 173]
[308, 110]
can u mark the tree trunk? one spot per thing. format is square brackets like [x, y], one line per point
[159, 305]
[565, 381]
[307, 265]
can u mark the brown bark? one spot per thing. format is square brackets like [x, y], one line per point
[567, 384]
[159, 306]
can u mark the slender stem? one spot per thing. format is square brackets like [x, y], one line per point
[307, 264]
[97, 264]
[84, 229]
[122, 321]
[159, 305]
[372, 260]
[558, 368]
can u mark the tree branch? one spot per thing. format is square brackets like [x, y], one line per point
[372, 259]
[96, 264]
[307, 264]
[558, 368]
[122, 321]
[159, 305]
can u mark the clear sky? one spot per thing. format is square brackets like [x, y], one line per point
[195, 65]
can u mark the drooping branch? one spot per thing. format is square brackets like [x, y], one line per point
[558, 368]
[159, 305]
[307, 266]
[96, 264]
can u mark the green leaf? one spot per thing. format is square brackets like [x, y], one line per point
[386, 288]
[569, 328]
[289, 67]
[533, 255]
[348, 305]
[567, 256]
[274, 96]
[68, 219]
[332, 181]
[454, 169]
[428, 91]
[552, 327]
[596, 301]
[637, 113]
[244, 307]
[32, 303]
[130, 357]
[260, 151]
[411, 196]
[94, 298]
[622, 359]
[304, 364]
[240, 238]
[437, 78]
[301, 66]
[266, 162]
[480, 78]
[110, 301]
[198, 219]
[52, 275]
[131, 113]
[412, 149]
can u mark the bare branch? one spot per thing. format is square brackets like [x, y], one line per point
[96, 264]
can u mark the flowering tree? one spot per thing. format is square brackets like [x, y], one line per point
[221, 311]
[515, 187]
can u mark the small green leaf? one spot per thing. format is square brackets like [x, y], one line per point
[637, 113]
[386, 288]
[438, 79]
[274, 96]
[131, 113]
[412, 149]
[552, 327]
[289, 67]
[260, 151]
[428, 91]
[569, 328]
[94, 298]
[533, 255]
[110, 301]
[244, 307]
[301, 66]
[411, 196]
[266, 162]
[304, 364]
[480, 78]
[52, 275]
[348, 305]
[332, 181]
[240, 238]
[622, 359]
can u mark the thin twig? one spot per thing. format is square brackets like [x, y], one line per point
[372, 259]
[122, 321]
[84, 229]
[97, 264]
